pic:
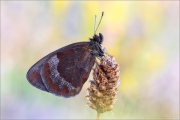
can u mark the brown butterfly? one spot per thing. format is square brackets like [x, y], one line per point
[64, 71]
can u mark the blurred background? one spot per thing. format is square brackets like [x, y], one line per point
[143, 37]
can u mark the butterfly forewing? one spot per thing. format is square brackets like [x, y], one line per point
[34, 77]
[64, 71]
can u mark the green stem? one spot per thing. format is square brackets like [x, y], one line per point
[98, 116]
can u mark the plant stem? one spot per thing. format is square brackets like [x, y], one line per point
[98, 116]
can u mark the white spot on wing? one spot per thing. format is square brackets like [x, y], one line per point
[64, 83]
[55, 75]
[53, 63]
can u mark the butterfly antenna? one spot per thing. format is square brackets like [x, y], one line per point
[94, 24]
[99, 21]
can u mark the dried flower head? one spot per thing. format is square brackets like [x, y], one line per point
[102, 93]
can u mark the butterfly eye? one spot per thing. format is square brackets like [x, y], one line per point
[101, 38]
[98, 39]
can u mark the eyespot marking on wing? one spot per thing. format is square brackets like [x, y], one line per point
[33, 76]
[54, 88]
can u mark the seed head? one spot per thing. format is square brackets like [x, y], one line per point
[102, 93]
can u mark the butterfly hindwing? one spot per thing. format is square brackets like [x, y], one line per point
[64, 71]
[34, 77]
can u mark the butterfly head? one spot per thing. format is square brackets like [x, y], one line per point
[97, 39]
[95, 44]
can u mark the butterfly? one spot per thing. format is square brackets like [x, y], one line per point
[64, 71]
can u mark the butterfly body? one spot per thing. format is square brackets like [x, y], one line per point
[64, 71]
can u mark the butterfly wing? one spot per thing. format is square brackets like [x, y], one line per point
[64, 71]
